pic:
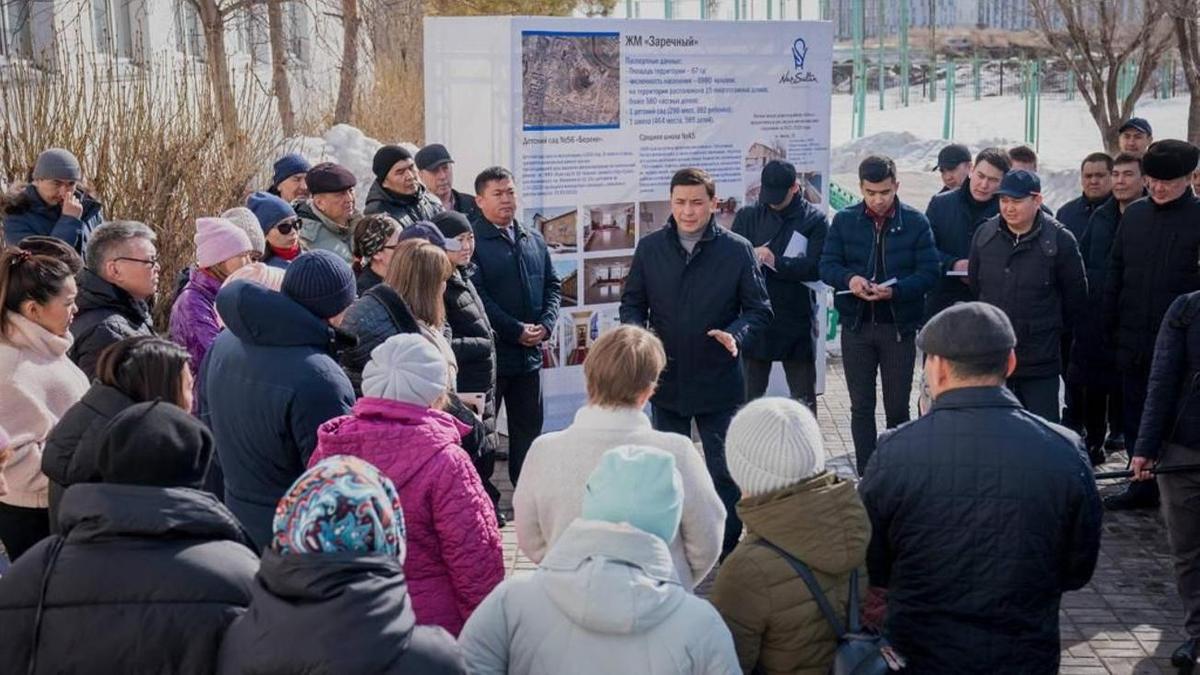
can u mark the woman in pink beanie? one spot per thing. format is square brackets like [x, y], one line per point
[221, 249]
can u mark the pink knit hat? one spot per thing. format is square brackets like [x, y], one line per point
[258, 273]
[218, 240]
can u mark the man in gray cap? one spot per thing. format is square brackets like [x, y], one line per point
[982, 514]
[53, 205]
[436, 168]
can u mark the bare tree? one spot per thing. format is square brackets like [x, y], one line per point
[280, 83]
[214, 15]
[348, 82]
[1185, 15]
[1095, 39]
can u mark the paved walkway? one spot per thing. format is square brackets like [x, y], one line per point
[1127, 620]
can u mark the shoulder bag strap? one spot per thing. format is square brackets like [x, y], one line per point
[814, 588]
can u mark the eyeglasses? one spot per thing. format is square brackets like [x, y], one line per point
[286, 226]
[151, 262]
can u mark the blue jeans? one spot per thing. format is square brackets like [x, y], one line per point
[712, 428]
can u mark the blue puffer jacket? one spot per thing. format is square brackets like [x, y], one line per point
[270, 380]
[954, 216]
[28, 215]
[517, 284]
[1075, 214]
[908, 255]
[1172, 413]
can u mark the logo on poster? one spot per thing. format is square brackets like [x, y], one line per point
[798, 75]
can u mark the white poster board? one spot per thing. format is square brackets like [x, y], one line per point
[593, 116]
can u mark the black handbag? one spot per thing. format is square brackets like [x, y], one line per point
[859, 652]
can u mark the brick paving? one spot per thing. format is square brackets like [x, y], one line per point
[1127, 620]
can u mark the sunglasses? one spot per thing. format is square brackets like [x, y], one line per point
[286, 226]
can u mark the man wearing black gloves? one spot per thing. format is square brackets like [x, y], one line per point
[698, 287]
[1155, 259]
[954, 216]
[788, 235]
[1027, 264]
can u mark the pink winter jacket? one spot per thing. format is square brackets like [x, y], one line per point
[454, 556]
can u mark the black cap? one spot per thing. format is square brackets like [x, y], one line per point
[1138, 123]
[968, 331]
[432, 156]
[1020, 184]
[1170, 159]
[152, 443]
[386, 157]
[778, 177]
[329, 177]
[451, 223]
[951, 156]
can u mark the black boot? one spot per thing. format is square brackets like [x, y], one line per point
[1184, 657]
[1136, 495]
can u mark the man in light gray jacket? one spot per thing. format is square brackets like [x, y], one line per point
[606, 598]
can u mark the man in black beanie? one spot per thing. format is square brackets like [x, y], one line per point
[397, 191]
[1155, 259]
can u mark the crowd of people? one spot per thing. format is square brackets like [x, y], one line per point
[308, 450]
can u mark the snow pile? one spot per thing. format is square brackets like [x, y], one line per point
[346, 145]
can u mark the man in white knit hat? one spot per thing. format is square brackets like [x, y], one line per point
[777, 459]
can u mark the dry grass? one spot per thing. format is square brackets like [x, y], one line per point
[392, 106]
[150, 143]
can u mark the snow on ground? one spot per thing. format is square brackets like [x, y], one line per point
[345, 145]
[912, 136]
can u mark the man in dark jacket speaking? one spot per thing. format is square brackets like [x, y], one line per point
[1028, 264]
[698, 287]
[982, 514]
[788, 234]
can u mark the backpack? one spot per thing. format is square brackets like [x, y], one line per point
[858, 651]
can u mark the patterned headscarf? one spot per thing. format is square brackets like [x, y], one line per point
[371, 234]
[341, 504]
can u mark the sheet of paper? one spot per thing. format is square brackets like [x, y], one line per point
[956, 273]
[797, 246]
[889, 282]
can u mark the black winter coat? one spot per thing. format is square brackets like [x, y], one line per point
[366, 280]
[518, 285]
[908, 255]
[1093, 356]
[789, 336]
[954, 216]
[142, 580]
[62, 461]
[335, 613]
[982, 515]
[1077, 213]
[270, 380]
[1155, 259]
[472, 338]
[406, 209]
[465, 204]
[1172, 412]
[681, 298]
[1039, 282]
[107, 314]
[378, 315]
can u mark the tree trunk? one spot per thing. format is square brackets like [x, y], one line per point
[218, 68]
[279, 68]
[1186, 30]
[348, 85]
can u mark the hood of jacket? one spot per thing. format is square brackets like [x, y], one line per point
[611, 578]
[382, 195]
[398, 438]
[96, 293]
[260, 316]
[821, 521]
[97, 511]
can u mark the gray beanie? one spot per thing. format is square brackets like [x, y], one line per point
[245, 219]
[57, 164]
[773, 443]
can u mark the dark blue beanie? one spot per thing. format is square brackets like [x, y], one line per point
[288, 166]
[321, 282]
[423, 229]
[269, 210]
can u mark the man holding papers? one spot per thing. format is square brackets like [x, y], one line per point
[881, 251]
[1027, 264]
[787, 234]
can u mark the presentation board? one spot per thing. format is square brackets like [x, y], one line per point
[593, 116]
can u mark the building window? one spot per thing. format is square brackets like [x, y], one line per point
[294, 23]
[112, 26]
[189, 34]
[251, 35]
[16, 29]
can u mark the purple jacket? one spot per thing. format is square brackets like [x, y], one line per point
[194, 322]
[454, 556]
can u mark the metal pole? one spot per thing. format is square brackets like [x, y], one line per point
[933, 49]
[668, 9]
[860, 80]
[948, 116]
[905, 74]
[977, 75]
[882, 69]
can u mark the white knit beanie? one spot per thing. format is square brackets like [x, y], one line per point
[406, 368]
[773, 443]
